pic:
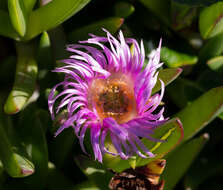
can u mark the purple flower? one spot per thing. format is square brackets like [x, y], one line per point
[106, 90]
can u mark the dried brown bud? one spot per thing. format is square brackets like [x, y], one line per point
[142, 178]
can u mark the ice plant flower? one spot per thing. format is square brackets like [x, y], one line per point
[107, 91]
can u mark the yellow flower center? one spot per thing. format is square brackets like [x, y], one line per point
[113, 97]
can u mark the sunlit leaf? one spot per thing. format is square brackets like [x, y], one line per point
[201, 111]
[173, 58]
[210, 20]
[51, 15]
[216, 63]
[180, 159]
[172, 132]
[18, 16]
[167, 76]
[25, 78]
[29, 4]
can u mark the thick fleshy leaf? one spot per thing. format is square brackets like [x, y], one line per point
[180, 159]
[112, 24]
[200, 112]
[25, 78]
[172, 131]
[211, 21]
[35, 142]
[18, 16]
[173, 58]
[123, 9]
[216, 63]
[167, 76]
[44, 55]
[14, 163]
[212, 48]
[29, 4]
[51, 15]
[95, 171]
[196, 2]
[160, 8]
[6, 28]
[212, 166]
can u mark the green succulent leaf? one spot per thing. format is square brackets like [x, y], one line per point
[112, 24]
[6, 28]
[201, 111]
[15, 164]
[213, 47]
[25, 79]
[167, 76]
[95, 171]
[211, 20]
[51, 15]
[173, 58]
[123, 9]
[180, 159]
[35, 143]
[18, 16]
[172, 132]
[44, 55]
[29, 4]
[196, 2]
[216, 63]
